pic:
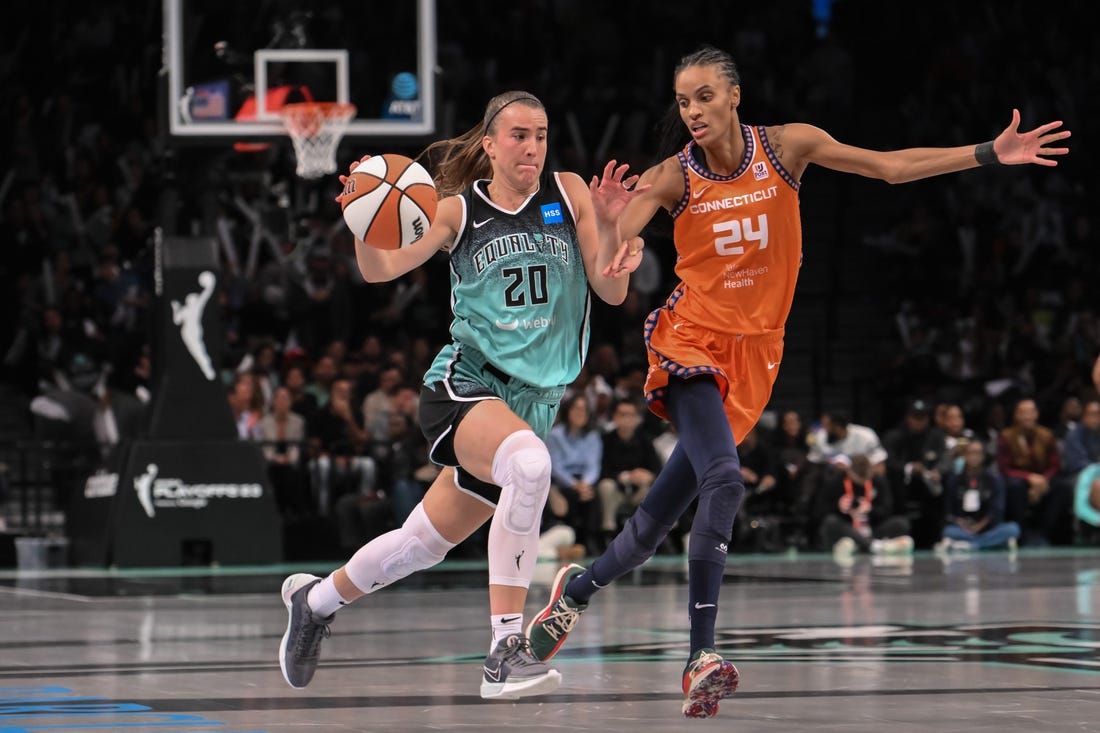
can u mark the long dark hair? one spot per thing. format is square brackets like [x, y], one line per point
[461, 160]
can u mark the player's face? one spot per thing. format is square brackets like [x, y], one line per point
[707, 102]
[517, 148]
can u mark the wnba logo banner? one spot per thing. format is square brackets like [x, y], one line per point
[188, 316]
[172, 493]
[189, 400]
[189, 482]
[175, 493]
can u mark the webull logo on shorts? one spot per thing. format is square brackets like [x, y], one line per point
[172, 493]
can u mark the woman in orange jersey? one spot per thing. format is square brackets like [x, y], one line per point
[716, 345]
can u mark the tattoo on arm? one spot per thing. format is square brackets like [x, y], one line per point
[777, 141]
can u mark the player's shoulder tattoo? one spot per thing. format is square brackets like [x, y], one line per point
[775, 138]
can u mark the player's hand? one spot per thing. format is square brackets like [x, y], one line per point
[611, 192]
[1014, 147]
[627, 258]
[344, 179]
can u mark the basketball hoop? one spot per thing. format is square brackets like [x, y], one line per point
[316, 128]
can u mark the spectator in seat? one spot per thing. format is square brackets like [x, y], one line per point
[1080, 450]
[857, 513]
[1028, 458]
[974, 504]
[337, 440]
[628, 467]
[914, 451]
[576, 455]
[283, 432]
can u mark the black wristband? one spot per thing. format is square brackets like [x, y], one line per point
[985, 154]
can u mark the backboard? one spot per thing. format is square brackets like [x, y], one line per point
[231, 66]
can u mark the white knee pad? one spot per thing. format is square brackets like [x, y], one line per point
[521, 467]
[416, 545]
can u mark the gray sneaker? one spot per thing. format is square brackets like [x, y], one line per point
[512, 672]
[300, 648]
[550, 627]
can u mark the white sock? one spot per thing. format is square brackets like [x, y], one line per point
[503, 626]
[324, 600]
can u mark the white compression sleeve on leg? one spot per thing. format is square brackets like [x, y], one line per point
[415, 545]
[521, 467]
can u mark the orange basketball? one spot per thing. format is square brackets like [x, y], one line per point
[389, 201]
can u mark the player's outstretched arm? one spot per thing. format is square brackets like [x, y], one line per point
[800, 144]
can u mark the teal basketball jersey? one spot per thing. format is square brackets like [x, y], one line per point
[519, 293]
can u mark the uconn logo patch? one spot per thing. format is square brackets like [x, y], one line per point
[551, 214]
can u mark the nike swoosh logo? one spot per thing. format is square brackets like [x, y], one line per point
[493, 674]
[773, 364]
[509, 620]
[510, 326]
[700, 192]
[479, 224]
[704, 605]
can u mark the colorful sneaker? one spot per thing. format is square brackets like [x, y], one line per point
[300, 648]
[511, 671]
[551, 626]
[707, 679]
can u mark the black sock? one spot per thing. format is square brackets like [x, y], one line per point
[705, 579]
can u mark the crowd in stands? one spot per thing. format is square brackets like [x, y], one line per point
[990, 279]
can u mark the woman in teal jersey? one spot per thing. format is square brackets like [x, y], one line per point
[527, 246]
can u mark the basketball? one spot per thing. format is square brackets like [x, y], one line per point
[389, 201]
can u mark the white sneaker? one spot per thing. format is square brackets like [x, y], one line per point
[898, 545]
[845, 547]
[962, 545]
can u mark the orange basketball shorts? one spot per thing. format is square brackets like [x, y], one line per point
[745, 367]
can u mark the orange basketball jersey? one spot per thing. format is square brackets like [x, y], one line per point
[738, 241]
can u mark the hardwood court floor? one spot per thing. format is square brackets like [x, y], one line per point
[985, 642]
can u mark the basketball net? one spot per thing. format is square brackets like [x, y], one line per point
[316, 128]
